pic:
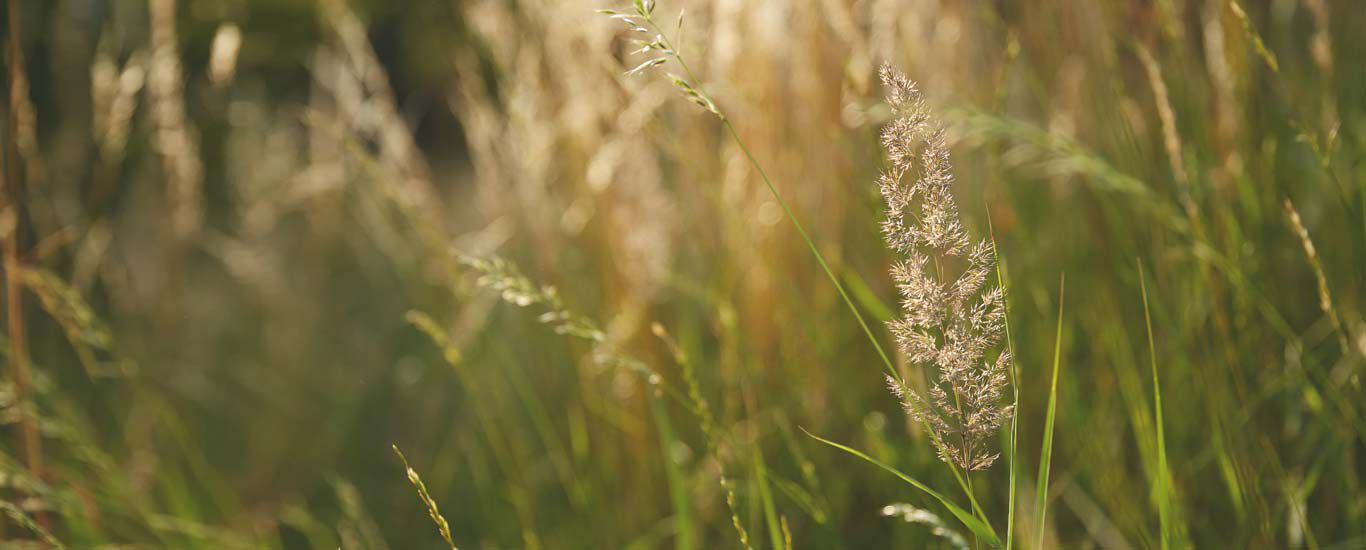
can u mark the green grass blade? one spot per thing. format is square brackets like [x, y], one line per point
[869, 299]
[684, 527]
[1014, 386]
[775, 535]
[970, 521]
[1046, 454]
[1163, 485]
[761, 481]
[708, 425]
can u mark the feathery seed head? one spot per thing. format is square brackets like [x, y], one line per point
[949, 319]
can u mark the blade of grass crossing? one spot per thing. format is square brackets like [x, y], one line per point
[977, 526]
[875, 306]
[1046, 454]
[777, 196]
[820, 258]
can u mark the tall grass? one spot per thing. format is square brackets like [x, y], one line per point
[250, 245]
[1162, 489]
[1050, 419]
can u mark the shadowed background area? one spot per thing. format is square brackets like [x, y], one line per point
[251, 244]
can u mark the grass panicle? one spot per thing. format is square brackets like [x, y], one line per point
[949, 320]
[216, 218]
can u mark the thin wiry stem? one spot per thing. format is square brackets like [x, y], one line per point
[692, 88]
[812, 246]
[1015, 388]
[1163, 473]
[12, 201]
[974, 324]
[708, 423]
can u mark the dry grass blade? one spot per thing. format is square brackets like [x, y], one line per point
[334, 154]
[177, 141]
[1251, 32]
[84, 330]
[23, 519]
[1311, 253]
[11, 217]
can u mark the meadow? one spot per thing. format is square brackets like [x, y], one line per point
[683, 274]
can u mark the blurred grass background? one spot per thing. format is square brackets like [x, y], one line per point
[235, 223]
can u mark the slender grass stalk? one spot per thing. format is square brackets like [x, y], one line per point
[1250, 31]
[1292, 495]
[1046, 454]
[708, 422]
[1311, 253]
[864, 294]
[1014, 386]
[505, 455]
[972, 497]
[29, 439]
[891, 369]
[761, 478]
[692, 88]
[685, 532]
[1163, 485]
[23, 519]
[441, 525]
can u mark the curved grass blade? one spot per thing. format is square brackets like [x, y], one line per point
[970, 521]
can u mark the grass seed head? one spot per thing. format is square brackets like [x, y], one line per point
[948, 320]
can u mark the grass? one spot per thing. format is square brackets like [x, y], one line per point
[1046, 454]
[433, 510]
[1014, 444]
[248, 248]
[1162, 485]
